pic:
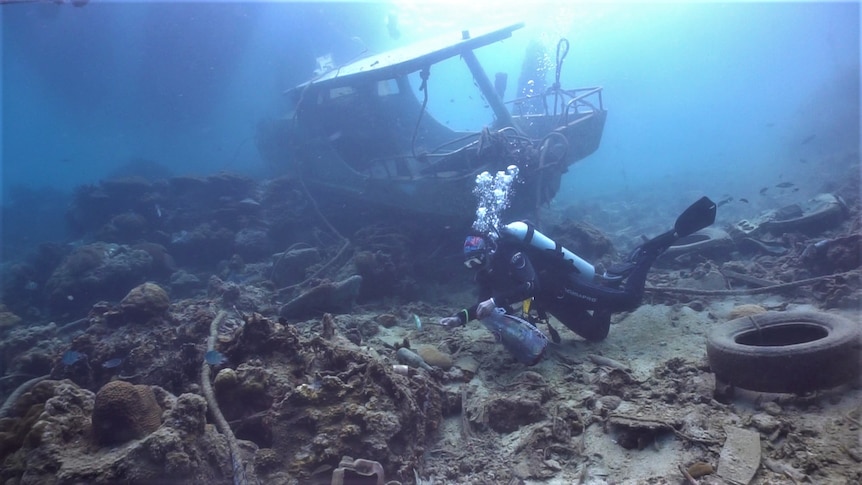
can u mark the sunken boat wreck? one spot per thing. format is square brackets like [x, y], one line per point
[360, 136]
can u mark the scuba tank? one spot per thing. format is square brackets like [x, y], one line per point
[526, 233]
[524, 341]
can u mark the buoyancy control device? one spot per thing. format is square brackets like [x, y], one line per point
[528, 234]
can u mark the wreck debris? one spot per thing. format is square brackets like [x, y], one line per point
[328, 324]
[752, 291]
[654, 424]
[740, 455]
[607, 362]
[784, 469]
[349, 468]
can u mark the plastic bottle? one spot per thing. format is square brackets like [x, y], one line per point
[524, 341]
[407, 356]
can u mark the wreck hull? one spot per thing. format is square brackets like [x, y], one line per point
[361, 140]
[445, 193]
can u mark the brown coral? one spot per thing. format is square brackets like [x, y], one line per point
[433, 356]
[746, 310]
[124, 411]
[144, 302]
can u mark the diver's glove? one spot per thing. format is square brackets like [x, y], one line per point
[486, 308]
[450, 322]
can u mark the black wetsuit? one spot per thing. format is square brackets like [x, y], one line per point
[518, 271]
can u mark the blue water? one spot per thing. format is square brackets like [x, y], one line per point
[716, 98]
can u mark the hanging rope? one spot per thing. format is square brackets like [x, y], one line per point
[562, 52]
[424, 74]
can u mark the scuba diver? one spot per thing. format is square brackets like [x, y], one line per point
[519, 263]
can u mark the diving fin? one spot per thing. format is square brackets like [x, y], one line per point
[698, 215]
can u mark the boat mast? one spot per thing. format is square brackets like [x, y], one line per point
[504, 118]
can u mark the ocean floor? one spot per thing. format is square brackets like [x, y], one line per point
[215, 331]
[594, 423]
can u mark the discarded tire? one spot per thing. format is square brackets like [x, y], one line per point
[785, 351]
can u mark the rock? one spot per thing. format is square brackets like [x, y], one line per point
[144, 303]
[435, 357]
[703, 386]
[7, 318]
[507, 413]
[252, 244]
[387, 320]
[225, 380]
[765, 423]
[469, 365]
[126, 227]
[124, 411]
[697, 305]
[711, 280]
[266, 460]
[338, 417]
[771, 407]
[184, 283]
[58, 447]
[290, 267]
[189, 414]
[327, 297]
[609, 403]
[94, 272]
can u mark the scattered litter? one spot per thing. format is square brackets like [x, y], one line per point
[740, 455]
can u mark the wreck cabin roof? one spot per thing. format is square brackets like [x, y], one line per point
[411, 58]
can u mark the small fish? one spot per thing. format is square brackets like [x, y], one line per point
[158, 211]
[72, 356]
[214, 357]
[784, 185]
[724, 201]
[808, 139]
[418, 321]
[112, 363]
[763, 190]
[743, 200]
